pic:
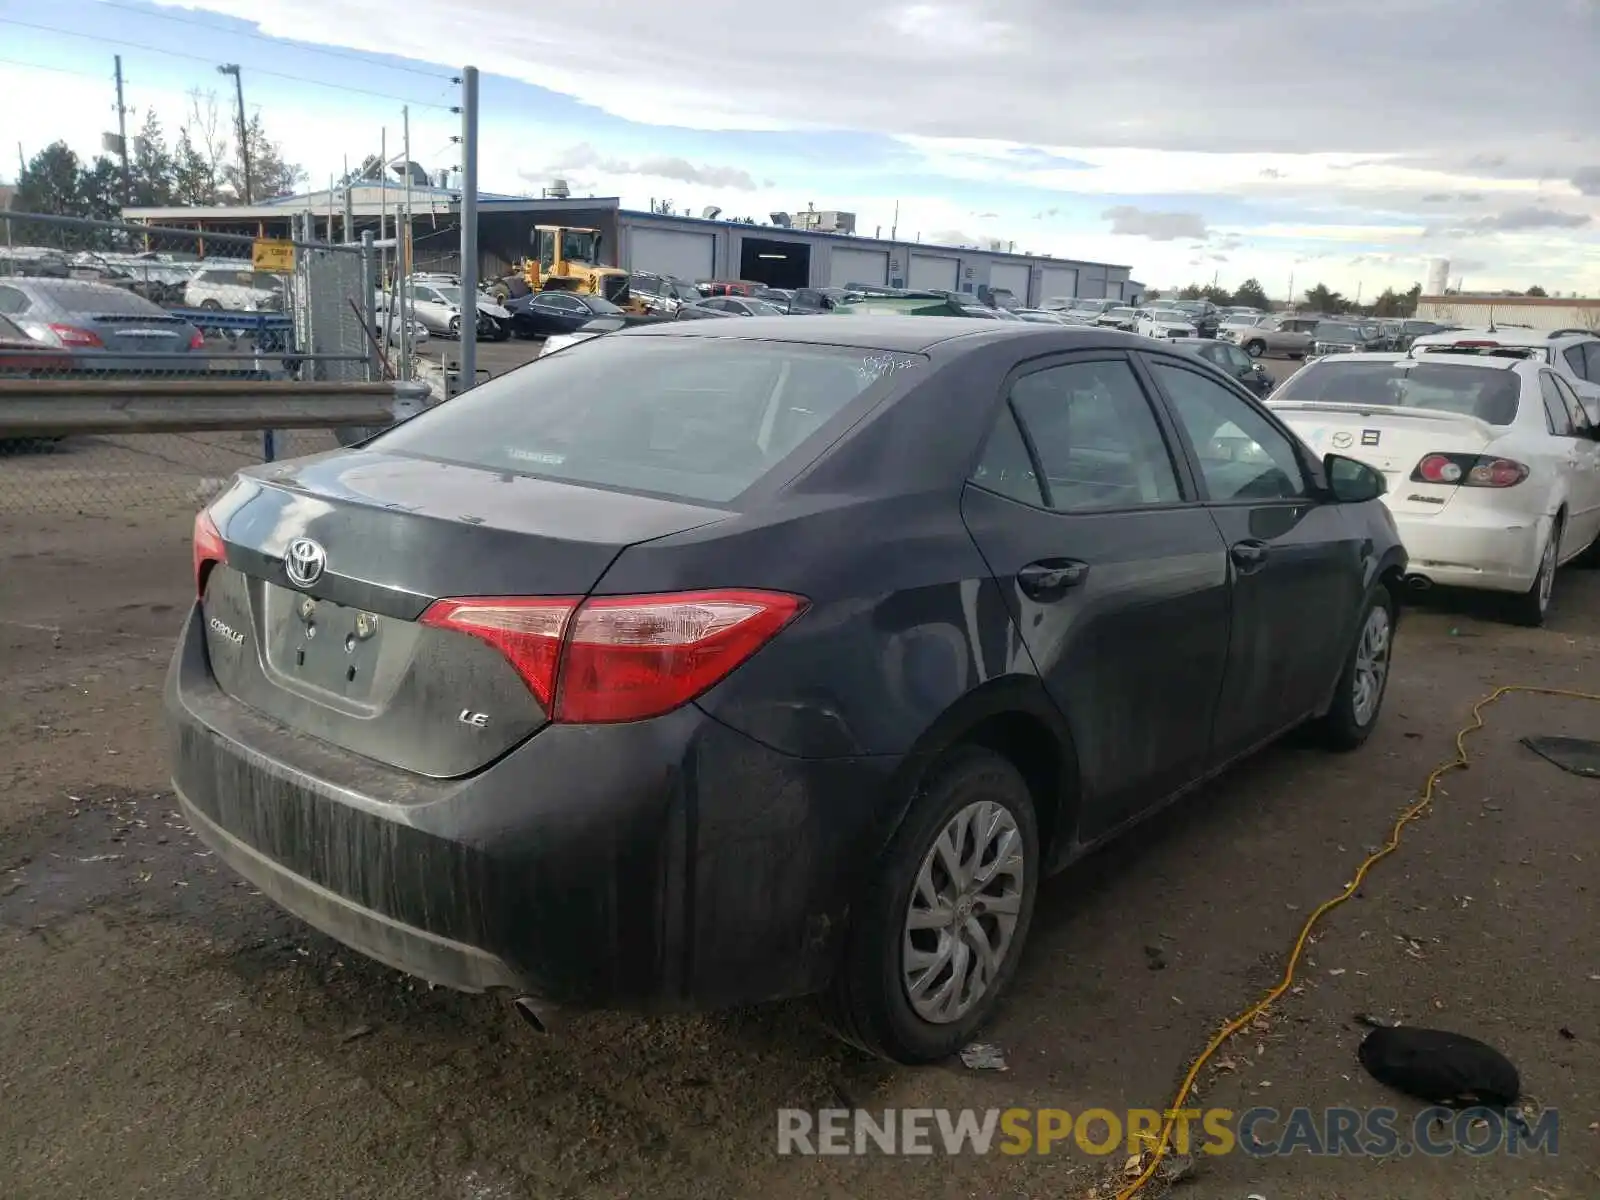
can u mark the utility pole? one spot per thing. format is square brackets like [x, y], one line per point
[244, 130]
[469, 226]
[349, 205]
[404, 243]
[122, 138]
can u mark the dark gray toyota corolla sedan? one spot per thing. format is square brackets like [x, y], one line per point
[696, 665]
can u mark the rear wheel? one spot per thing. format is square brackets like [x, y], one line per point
[211, 305]
[1531, 607]
[936, 941]
[1359, 696]
[1255, 349]
[455, 327]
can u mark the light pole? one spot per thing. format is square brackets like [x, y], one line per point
[244, 132]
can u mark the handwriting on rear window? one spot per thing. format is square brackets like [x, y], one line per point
[875, 366]
[543, 458]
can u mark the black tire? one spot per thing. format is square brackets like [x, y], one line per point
[211, 305]
[454, 328]
[1342, 727]
[1256, 348]
[1532, 606]
[867, 1004]
[502, 331]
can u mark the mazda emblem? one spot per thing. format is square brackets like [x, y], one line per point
[304, 561]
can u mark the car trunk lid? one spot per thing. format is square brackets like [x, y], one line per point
[344, 656]
[126, 333]
[1393, 440]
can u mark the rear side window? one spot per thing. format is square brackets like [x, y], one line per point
[1557, 418]
[1580, 417]
[1006, 467]
[1591, 358]
[700, 419]
[1097, 440]
[1485, 393]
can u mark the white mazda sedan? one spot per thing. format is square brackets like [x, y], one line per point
[1492, 464]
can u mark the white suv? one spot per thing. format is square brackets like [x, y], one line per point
[1574, 354]
[240, 289]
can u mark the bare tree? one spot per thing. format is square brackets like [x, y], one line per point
[1589, 316]
[204, 126]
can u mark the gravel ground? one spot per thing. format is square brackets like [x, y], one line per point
[166, 1032]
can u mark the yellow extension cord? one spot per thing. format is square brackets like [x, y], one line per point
[1260, 1006]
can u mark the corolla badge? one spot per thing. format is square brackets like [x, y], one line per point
[304, 561]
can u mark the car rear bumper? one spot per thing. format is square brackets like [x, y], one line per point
[1495, 554]
[662, 864]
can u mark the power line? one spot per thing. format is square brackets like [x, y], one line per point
[338, 87]
[32, 66]
[263, 37]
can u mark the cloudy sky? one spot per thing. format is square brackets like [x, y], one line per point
[1342, 141]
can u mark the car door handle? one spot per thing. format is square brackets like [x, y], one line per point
[1051, 578]
[1248, 556]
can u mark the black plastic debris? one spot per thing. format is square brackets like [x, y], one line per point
[1578, 756]
[1440, 1067]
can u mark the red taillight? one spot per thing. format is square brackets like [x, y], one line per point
[1439, 468]
[621, 658]
[209, 549]
[83, 339]
[197, 341]
[529, 632]
[1470, 470]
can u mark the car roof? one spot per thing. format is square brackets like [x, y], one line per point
[1467, 360]
[1506, 337]
[909, 334]
[33, 283]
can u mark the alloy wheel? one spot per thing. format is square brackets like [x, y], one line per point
[1372, 666]
[1547, 570]
[963, 912]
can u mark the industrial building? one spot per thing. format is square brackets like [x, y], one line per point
[808, 250]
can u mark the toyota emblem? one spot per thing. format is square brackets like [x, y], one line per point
[304, 561]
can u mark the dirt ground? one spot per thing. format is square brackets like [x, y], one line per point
[164, 1031]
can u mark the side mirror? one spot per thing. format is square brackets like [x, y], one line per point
[1351, 481]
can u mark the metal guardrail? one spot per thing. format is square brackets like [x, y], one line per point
[53, 408]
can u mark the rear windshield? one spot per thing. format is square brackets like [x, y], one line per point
[106, 301]
[1487, 394]
[699, 419]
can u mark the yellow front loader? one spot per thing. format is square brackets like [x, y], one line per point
[567, 258]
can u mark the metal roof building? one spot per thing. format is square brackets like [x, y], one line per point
[689, 247]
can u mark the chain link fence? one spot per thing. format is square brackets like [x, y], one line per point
[86, 304]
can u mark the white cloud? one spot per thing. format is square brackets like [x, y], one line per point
[1157, 226]
[1337, 137]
